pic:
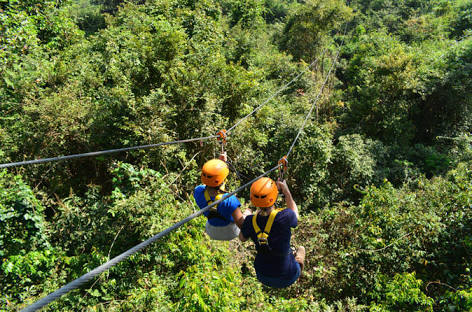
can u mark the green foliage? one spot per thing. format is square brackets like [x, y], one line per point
[381, 73]
[401, 94]
[276, 10]
[403, 17]
[248, 14]
[352, 162]
[23, 227]
[309, 29]
[402, 293]
[463, 18]
[88, 16]
[21, 272]
[315, 151]
[382, 177]
[28, 26]
[421, 227]
[408, 92]
[430, 161]
[461, 300]
[201, 289]
[461, 148]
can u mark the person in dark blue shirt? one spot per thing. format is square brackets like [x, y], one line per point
[270, 229]
[224, 219]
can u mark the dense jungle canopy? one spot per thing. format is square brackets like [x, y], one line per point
[382, 173]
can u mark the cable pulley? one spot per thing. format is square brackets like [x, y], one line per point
[221, 136]
[283, 162]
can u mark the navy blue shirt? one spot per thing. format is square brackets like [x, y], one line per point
[225, 208]
[281, 262]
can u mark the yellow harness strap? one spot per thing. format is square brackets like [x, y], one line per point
[263, 236]
[209, 201]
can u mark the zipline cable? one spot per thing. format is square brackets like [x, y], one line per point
[273, 95]
[91, 154]
[90, 275]
[312, 107]
[335, 59]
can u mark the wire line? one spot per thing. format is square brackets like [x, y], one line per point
[90, 275]
[91, 154]
[273, 95]
[335, 59]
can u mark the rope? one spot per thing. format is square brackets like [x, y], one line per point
[91, 154]
[312, 106]
[90, 275]
[318, 96]
[273, 95]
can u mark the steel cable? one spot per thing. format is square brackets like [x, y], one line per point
[90, 275]
[273, 95]
[91, 154]
[335, 59]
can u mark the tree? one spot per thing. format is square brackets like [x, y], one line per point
[312, 26]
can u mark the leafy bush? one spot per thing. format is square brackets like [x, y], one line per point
[402, 293]
[23, 227]
[382, 177]
[309, 28]
[20, 273]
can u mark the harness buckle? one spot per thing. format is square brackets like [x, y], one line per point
[264, 247]
[263, 238]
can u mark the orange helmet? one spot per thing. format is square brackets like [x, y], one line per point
[264, 193]
[214, 172]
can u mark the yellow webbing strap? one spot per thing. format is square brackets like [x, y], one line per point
[265, 235]
[208, 198]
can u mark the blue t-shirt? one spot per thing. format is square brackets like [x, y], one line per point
[281, 262]
[225, 208]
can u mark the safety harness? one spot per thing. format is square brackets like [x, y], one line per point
[213, 211]
[263, 236]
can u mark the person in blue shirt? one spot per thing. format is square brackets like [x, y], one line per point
[270, 229]
[224, 219]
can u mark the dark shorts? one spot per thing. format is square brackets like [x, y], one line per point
[278, 282]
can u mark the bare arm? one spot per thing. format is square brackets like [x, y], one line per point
[238, 217]
[242, 237]
[246, 213]
[283, 187]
